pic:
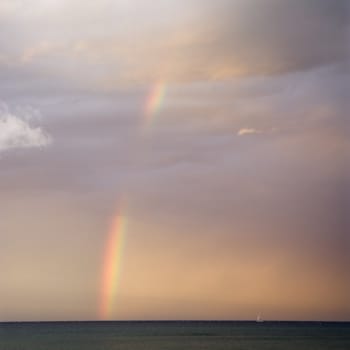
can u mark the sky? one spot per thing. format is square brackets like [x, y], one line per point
[174, 159]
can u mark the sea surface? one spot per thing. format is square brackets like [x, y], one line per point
[174, 335]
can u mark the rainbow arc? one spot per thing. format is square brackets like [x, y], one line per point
[114, 245]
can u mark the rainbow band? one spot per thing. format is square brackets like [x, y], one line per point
[111, 266]
[116, 236]
[154, 101]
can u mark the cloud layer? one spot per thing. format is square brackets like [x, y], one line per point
[192, 40]
[238, 191]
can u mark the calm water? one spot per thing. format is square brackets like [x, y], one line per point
[174, 335]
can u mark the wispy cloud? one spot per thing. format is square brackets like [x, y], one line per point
[248, 131]
[41, 49]
[17, 132]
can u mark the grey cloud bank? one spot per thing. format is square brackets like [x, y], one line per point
[200, 41]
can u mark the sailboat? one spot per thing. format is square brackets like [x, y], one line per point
[259, 319]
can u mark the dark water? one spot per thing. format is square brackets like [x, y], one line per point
[174, 335]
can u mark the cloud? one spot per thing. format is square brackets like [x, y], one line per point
[272, 36]
[248, 131]
[192, 41]
[230, 39]
[41, 49]
[16, 132]
[190, 182]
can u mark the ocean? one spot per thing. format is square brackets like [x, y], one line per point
[171, 335]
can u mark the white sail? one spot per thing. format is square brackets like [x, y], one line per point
[258, 318]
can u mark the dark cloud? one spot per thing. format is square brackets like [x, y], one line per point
[271, 36]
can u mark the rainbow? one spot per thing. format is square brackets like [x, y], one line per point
[116, 236]
[154, 101]
[112, 264]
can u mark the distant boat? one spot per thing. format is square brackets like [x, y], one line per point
[259, 319]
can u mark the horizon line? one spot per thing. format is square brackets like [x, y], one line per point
[178, 320]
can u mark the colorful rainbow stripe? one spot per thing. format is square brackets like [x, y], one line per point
[112, 265]
[154, 101]
[116, 236]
